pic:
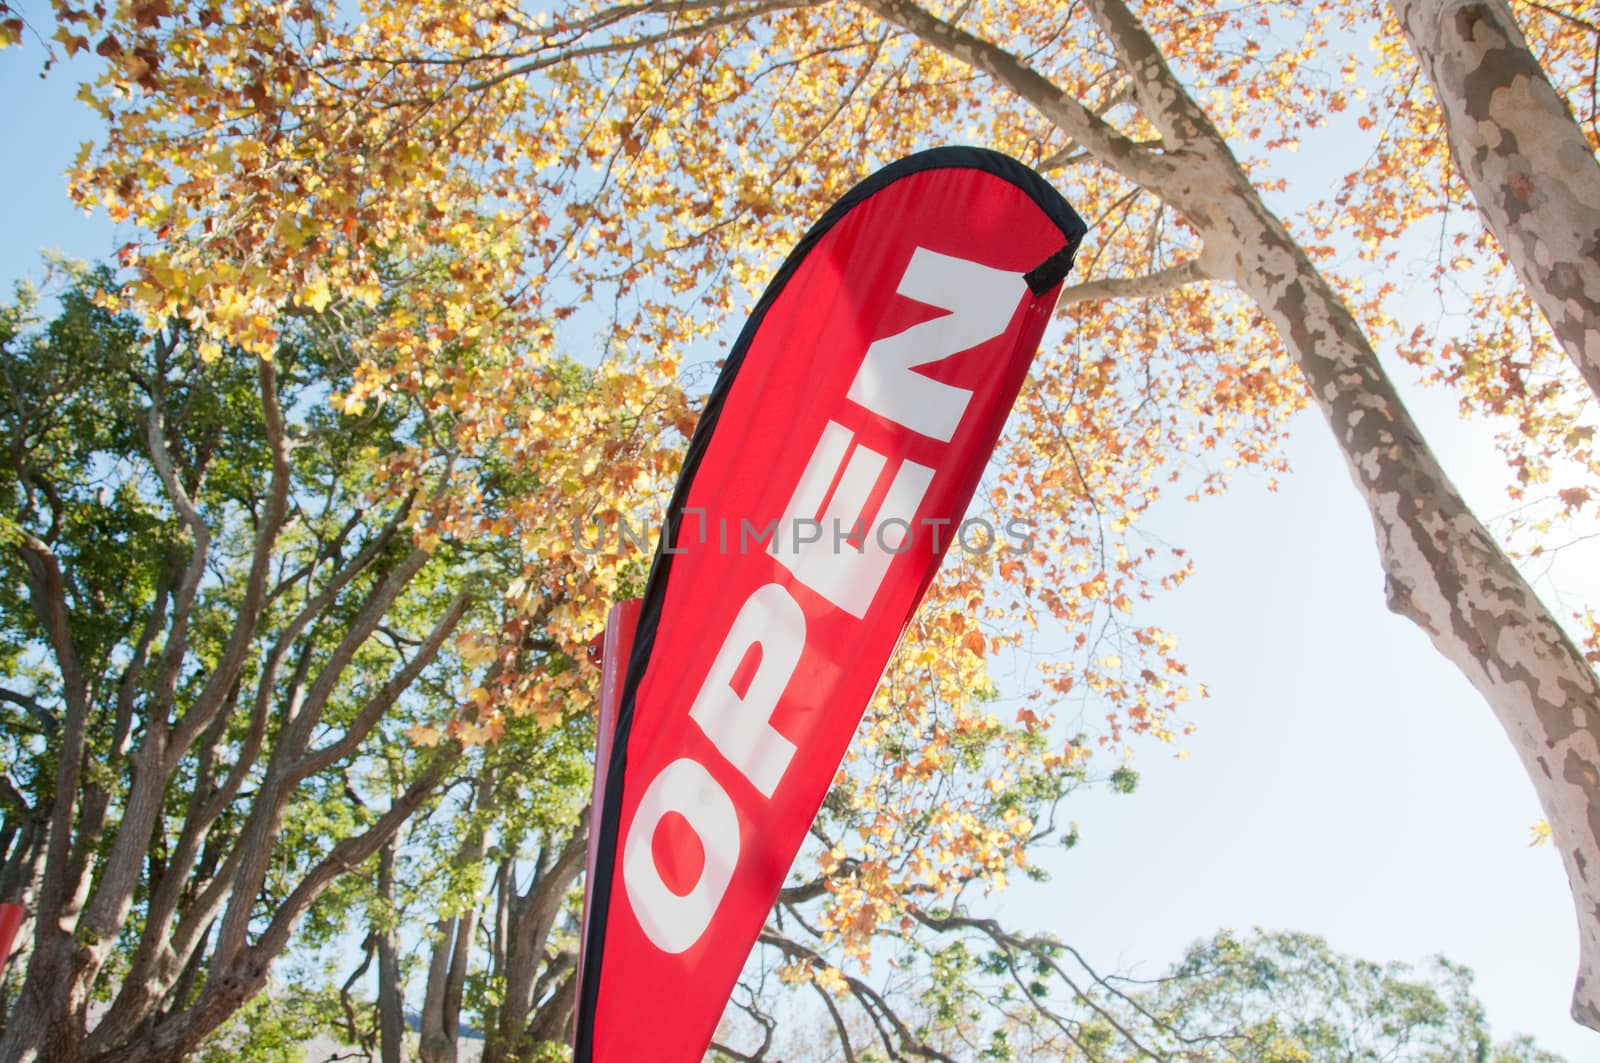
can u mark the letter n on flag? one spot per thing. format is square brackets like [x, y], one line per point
[836, 453]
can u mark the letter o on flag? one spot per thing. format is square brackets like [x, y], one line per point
[674, 922]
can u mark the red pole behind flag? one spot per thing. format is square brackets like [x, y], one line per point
[612, 647]
[10, 922]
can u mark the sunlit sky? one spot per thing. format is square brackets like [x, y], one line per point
[1344, 779]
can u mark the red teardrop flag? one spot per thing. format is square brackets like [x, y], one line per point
[833, 462]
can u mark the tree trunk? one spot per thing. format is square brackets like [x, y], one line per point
[1525, 158]
[452, 951]
[391, 994]
[46, 1018]
[438, 1042]
[230, 986]
[554, 1017]
[1442, 569]
[531, 918]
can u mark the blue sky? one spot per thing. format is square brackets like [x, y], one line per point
[1344, 780]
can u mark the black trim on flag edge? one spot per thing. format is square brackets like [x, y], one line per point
[1049, 273]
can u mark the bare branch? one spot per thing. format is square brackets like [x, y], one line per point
[244, 973]
[871, 1000]
[373, 609]
[380, 702]
[158, 757]
[234, 655]
[46, 718]
[838, 1023]
[1146, 287]
[60, 891]
[726, 18]
[1135, 161]
[1043, 950]
[347, 854]
[183, 601]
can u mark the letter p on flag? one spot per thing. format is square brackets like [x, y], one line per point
[863, 398]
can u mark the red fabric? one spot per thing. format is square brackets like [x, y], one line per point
[610, 649]
[10, 922]
[801, 363]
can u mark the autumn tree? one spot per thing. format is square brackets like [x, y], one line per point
[616, 180]
[240, 656]
[936, 705]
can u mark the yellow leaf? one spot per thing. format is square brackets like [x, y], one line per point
[317, 295]
[421, 734]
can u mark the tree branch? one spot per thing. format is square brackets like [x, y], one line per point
[726, 18]
[1134, 161]
[234, 655]
[46, 718]
[380, 702]
[1162, 97]
[1147, 286]
[871, 1000]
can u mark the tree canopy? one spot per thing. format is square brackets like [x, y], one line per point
[296, 604]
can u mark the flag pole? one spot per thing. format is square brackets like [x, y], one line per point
[11, 916]
[610, 650]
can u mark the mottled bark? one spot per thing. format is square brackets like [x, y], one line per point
[1442, 569]
[1524, 156]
